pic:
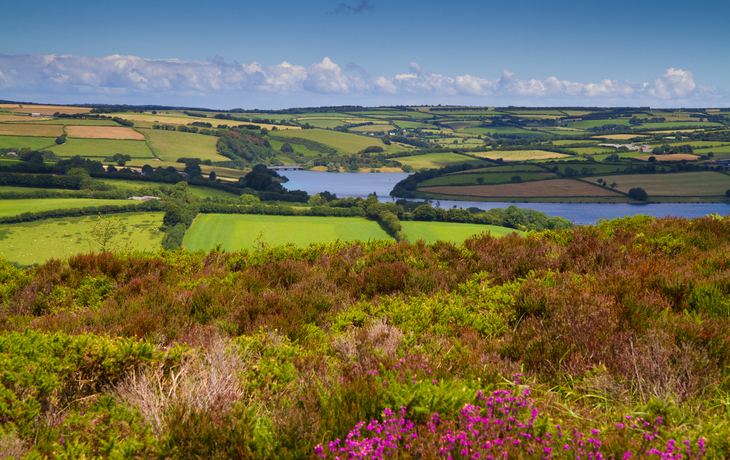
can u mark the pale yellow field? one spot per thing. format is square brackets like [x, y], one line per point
[36, 130]
[178, 120]
[520, 155]
[20, 118]
[621, 137]
[103, 132]
[672, 157]
[8, 106]
[51, 109]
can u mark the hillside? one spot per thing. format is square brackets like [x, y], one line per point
[590, 341]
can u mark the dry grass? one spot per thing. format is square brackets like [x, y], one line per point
[34, 130]
[670, 157]
[204, 381]
[51, 109]
[103, 132]
[686, 184]
[549, 188]
[11, 446]
[8, 106]
[669, 130]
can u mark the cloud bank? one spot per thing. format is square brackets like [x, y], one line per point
[125, 76]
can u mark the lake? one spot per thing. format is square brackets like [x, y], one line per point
[363, 184]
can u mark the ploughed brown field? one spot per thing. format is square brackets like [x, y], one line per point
[103, 132]
[51, 109]
[548, 188]
[671, 157]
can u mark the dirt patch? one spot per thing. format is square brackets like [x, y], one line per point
[103, 132]
[670, 157]
[34, 130]
[51, 109]
[548, 188]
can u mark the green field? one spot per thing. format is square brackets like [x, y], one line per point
[680, 124]
[488, 178]
[16, 207]
[385, 128]
[330, 123]
[35, 143]
[438, 160]
[235, 232]
[197, 190]
[687, 184]
[35, 242]
[503, 130]
[298, 148]
[343, 142]
[509, 168]
[430, 232]
[102, 148]
[585, 124]
[171, 145]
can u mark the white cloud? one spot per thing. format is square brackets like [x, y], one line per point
[126, 76]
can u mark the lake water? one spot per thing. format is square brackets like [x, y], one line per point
[363, 184]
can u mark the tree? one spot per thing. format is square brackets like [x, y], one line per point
[104, 232]
[61, 139]
[147, 170]
[614, 185]
[287, 148]
[212, 176]
[727, 194]
[480, 180]
[516, 179]
[638, 193]
[120, 159]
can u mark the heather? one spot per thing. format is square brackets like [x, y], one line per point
[610, 341]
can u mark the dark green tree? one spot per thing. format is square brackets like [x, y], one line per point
[638, 193]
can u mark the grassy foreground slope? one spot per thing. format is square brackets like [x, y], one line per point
[237, 232]
[596, 340]
[36, 242]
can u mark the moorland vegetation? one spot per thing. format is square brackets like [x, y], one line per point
[607, 341]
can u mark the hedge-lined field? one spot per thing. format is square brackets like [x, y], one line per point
[236, 232]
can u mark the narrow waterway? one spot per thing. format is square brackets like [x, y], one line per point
[363, 184]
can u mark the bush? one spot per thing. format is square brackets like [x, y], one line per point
[638, 193]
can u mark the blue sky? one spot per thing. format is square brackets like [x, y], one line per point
[371, 52]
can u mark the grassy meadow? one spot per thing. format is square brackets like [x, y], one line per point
[16, 207]
[35, 143]
[171, 145]
[431, 232]
[438, 160]
[36, 242]
[103, 148]
[237, 232]
[687, 184]
[343, 142]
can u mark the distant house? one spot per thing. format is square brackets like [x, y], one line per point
[286, 168]
[11, 154]
[35, 114]
[143, 198]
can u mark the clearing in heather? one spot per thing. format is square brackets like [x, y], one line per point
[103, 132]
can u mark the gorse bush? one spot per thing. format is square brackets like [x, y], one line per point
[272, 352]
